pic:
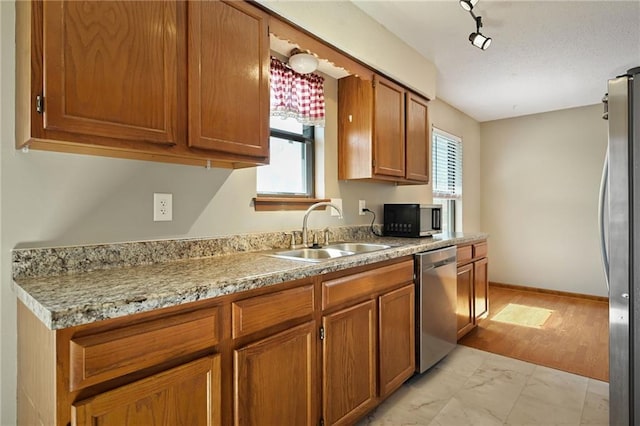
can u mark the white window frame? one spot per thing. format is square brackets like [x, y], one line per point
[447, 175]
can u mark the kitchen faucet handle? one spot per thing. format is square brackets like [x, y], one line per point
[292, 238]
[326, 236]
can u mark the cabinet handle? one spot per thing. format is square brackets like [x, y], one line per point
[40, 104]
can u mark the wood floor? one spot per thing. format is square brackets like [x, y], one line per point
[575, 337]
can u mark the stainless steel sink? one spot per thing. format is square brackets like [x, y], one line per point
[311, 254]
[331, 251]
[358, 247]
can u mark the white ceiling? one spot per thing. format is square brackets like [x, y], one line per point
[545, 55]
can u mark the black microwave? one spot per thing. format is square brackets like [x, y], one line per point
[412, 220]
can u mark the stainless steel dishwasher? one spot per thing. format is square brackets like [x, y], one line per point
[436, 292]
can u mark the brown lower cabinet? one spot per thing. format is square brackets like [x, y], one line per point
[464, 306]
[327, 348]
[481, 288]
[188, 394]
[368, 339]
[349, 363]
[396, 322]
[473, 286]
[274, 378]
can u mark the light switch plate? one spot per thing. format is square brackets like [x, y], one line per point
[338, 203]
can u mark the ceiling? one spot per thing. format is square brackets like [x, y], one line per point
[545, 55]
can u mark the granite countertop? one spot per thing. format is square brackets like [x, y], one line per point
[72, 299]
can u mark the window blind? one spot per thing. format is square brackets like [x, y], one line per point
[447, 165]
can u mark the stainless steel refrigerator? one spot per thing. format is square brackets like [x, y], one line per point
[620, 231]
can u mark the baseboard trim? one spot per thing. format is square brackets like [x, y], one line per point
[546, 291]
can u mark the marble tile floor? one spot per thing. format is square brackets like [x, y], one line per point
[473, 387]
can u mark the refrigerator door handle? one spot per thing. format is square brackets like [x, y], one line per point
[601, 221]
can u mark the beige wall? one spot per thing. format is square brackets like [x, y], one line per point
[7, 299]
[453, 121]
[51, 199]
[540, 180]
[348, 28]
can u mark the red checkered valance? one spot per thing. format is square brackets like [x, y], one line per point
[299, 96]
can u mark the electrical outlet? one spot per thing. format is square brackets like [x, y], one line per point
[362, 204]
[338, 203]
[162, 207]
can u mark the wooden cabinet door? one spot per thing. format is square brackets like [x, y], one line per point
[355, 128]
[228, 78]
[388, 133]
[275, 379]
[349, 364]
[481, 287]
[185, 395]
[397, 338]
[107, 75]
[418, 139]
[464, 311]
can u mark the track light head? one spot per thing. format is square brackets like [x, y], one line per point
[468, 4]
[479, 40]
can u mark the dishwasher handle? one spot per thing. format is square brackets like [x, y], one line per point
[445, 262]
[428, 268]
[438, 264]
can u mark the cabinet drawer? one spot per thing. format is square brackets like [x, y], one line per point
[261, 312]
[358, 286]
[104, 356]
[464, 254]
[480, 250]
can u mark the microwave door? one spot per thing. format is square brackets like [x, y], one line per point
[425, 221]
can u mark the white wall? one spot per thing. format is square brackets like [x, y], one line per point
[51, 199]
[540, 180]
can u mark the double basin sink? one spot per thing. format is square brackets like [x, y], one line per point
[330, 251]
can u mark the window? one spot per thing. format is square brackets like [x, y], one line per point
[296, 106]
[290, 172]
[447, 178]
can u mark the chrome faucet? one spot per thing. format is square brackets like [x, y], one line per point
[305, 241]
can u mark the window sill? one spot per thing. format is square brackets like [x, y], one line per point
[268, 204]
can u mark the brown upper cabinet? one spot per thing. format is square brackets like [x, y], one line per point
[105, 75]
[388, 128]
[418, 138]
[229, 78]
[383, 132]
[114, 79]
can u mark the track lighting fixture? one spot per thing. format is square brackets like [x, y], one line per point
[478, 39]
[468, 4]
